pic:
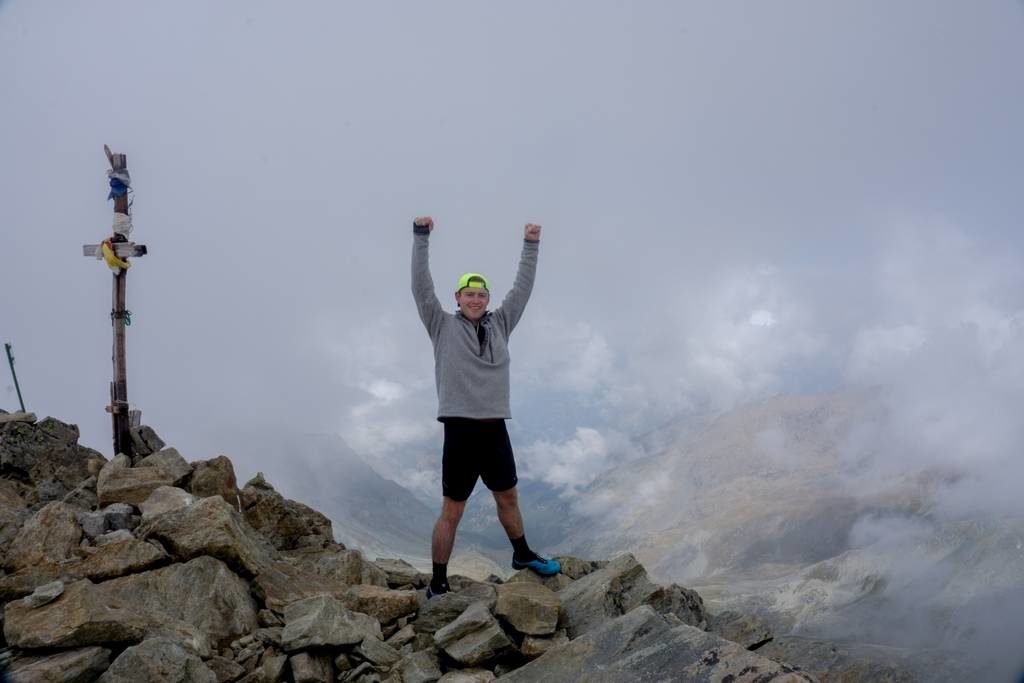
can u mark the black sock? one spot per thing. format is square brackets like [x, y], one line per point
[440, 579]
[520, 550]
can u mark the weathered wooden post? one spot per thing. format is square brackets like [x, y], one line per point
[115, 250]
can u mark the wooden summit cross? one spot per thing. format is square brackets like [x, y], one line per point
[121, 417]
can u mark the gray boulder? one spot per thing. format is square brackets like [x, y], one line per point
[831, 661]
[209, 527]
[611, 591]
[81, 616]
[170, 461]
[379, 654]
[281, 583]
[528, 607]
[347, 566]
[438, 612]
[308, 667]
[324, 621]
[118, 482]
[113, 517]
[749, 631]
[474, 638]
[534, 646]
[215, 477]
[46, 454]
[419, 667]
[684, 603]
[383, 604]
[468, 676]
[46, 593]
[51, 535]
[287, 524]
[165, 499]
[127, 556]
[641, 646]
[194, 602]
[68, 666]
[555, 582]
[145, 440]
[400, 573]
[158, 660]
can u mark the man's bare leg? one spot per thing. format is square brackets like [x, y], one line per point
[443, 539]
[508, 512]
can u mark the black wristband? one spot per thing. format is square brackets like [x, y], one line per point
[420, 229]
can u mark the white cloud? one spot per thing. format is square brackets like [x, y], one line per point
[574, 462]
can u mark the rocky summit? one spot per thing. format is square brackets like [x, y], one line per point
[153, 568]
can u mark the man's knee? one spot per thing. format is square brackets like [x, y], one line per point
[451, 510]
[507, 500]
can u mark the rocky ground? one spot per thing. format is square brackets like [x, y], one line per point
[154, 568]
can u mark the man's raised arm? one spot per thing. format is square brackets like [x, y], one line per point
[515, 301]
[427, 304]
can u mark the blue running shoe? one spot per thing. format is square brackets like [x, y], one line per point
[541, 565]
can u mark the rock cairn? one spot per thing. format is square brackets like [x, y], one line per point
[160, 569]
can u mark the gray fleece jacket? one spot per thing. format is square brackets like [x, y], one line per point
[471, 363]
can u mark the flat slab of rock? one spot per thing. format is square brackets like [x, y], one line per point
[170, 461]
[399, 573]
[419, 667]
[324, 621]
[17, 416]
[209, 527]
[347, 566]
[43, 595]
[556, 582]
[534, 646]
[468, 676]
[609, 592]
[83, 664]
[308, 667]
[474, 638]
[157, 659]
[377, 653]
[118, 482]
[128, 556]
[165, 499]
[81, 616]
[529, 608]
[281, 583]
[747, 630]
[442, 610]
[641, 646]
[831, 661]
[383, 604]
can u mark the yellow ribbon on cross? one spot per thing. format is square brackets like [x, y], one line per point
[114, 262]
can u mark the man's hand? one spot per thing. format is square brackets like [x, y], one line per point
[424, 222]
[532, 232]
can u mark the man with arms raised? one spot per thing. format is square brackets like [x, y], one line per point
[471, 367]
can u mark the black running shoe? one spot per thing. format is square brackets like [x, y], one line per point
[431, 593]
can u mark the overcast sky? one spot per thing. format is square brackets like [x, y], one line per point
[738, 199]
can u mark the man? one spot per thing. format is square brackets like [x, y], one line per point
[471, 366]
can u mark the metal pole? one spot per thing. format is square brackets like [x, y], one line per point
[10, 361]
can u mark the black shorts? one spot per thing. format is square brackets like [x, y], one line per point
[476, 448]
